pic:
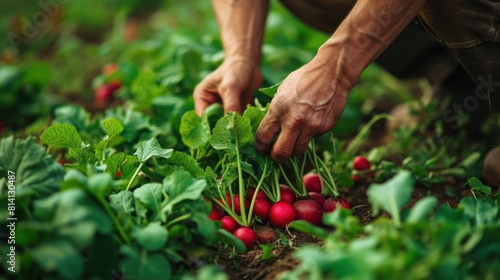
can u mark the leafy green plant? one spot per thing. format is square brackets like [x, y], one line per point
[415, 243]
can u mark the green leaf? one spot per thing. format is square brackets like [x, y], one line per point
[141, 266]
[422, 209]
[181, 161]
[181, 186]
[59, 256]
[229, 238]
[77, 215]
[133, 122]
[112, 127]
[231, 133]
[392, 195]
[35, 171]
[61, 135]
[255, 115]
[72, 114]
[152, 237]
[195, 131]
[477, 185]
[122, 202]
[306, 227]
[206, 227]
[114, 162]
[147, 149]
[101, 184]
[270, 91]
[150, 195]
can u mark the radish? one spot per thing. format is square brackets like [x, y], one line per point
[331, 204]
[312, 182]
[309, 211]
[229, 224]
[282, 213]
[237, 208]
[260, 194]
[265, 235]
[261, 209]
[287, 194]
[317, 197]
[214, 215]
[360, 163]
[106, 93]
[247, 235]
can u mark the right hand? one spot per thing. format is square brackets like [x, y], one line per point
[233, 84]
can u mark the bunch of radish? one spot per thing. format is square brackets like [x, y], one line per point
[279, 214]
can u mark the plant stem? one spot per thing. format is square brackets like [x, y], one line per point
[178, 219]
[105, 205]
[354, 145]
[252, 203]
[135, 175]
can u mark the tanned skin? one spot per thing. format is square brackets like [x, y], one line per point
[311, 99]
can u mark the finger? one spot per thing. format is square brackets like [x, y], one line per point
[314, 126]
[204, 97]
[230, 98]
[268, 127]
[284, 146]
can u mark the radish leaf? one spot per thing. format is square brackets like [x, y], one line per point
[392, 195]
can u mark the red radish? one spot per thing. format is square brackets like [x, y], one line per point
[247, 235]
[309, 211]
[287, 194]
[237, 208]
[62, 162]
[229, 224]
[312, 182]
[214, 215]
[105, 93]
[360, 163]
[118, 174]
[331, 204]
[282, 213]
[261, 209]
[260, 194]
[265, 235]
[114, 85]
[317, 197]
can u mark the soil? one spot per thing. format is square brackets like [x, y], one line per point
[250, 266]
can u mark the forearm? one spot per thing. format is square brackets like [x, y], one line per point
[365, 33]
[242, 24]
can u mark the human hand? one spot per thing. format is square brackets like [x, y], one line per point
[307, 104]
[233, 84]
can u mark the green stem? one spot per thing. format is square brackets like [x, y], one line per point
[241, 187]
[252, 203]
[135, 175]
[229, 211]
[121, 231]
[287, 180]
[354, 145]
[178, 219]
